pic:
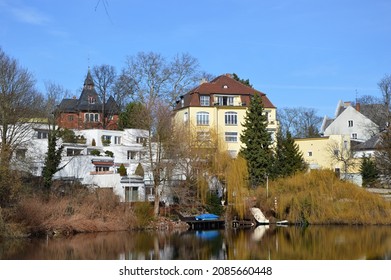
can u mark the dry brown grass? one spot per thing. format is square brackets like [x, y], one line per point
[81, 212]
[319, 197]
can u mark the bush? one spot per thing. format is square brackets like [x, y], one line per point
[95, 153]
[109, 153]
[139, 170]
[144, 213]
[122, 170]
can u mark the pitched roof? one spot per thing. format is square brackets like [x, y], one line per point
[222, 85]
[112, 106]
[88, 101]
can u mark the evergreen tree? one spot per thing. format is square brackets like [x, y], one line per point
[288, 157]
[368, 171]
[257, 140]
[52, 159]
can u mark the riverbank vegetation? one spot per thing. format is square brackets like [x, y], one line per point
[319, 197]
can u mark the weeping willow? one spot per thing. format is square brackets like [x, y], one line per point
[236, 183]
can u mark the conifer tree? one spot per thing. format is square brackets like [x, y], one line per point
[52, 159]
[258, 143]
[369, 172]
[288, 157]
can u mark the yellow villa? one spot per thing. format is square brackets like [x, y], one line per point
[220, 105]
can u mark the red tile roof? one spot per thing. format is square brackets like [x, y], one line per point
[222, 85]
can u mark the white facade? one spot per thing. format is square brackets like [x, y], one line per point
[349, 121]
[81, 162]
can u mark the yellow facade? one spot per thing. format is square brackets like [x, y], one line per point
[327, 152]
[229, 134]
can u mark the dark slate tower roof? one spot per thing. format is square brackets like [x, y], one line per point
[89, 99]
[112, 106]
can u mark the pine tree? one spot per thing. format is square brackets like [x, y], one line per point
[258, 143]
[288, 157]
[369, 172]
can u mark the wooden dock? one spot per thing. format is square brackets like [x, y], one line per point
[205, 224]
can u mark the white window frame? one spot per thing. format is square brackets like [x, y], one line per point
[202, 118]
[231, 118]
[350, 123]
[204, 100]
[231, 136]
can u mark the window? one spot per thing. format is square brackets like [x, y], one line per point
[89, 117]
[202, 118]
[70, 118]
[231, 137]
[204, 100]
[131, 194]
[21, 154]
[225, 100]
[354, 135]
[117, 140]
[43, 135]
[231, 118]
[336, 153]
[310, 154]
[91, 100]
[141, 140]
[185, 117]
[102, 168]
[73, 152]
[203, 136]
[132, 155]
[350, 123]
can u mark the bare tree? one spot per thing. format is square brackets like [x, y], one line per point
[19, 104]
[300, 122]
[104, 78]
[184, 75]
[385, 88]
[341, 152]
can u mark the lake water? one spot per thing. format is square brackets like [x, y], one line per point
[263, 243]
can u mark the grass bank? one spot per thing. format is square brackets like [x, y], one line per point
[319, 197]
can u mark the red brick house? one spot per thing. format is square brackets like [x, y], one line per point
[88, 111]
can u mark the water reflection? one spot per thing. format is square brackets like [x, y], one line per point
[263, 242]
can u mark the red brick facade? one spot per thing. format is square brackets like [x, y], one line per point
[87, 111]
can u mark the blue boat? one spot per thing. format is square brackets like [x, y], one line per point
[206, 217]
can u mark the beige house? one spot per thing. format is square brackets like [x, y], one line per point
[220, 105]
[331, 152]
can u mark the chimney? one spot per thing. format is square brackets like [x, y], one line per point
[228, 75]
[358, 107]
[346, 104]
[203, 80]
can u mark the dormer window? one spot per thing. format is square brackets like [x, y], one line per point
[225, 86]
[91, 100]
[225, 100]
[204, 100]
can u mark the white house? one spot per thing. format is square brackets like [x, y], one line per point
[93, 159]
[349, 121]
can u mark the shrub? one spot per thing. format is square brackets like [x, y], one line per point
[122, 170]
[109, 153]
[95, 153]
[144, 213]
[139, 170]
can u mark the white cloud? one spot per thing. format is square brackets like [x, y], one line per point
[23, 13]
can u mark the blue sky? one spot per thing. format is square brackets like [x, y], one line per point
[300, 53]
